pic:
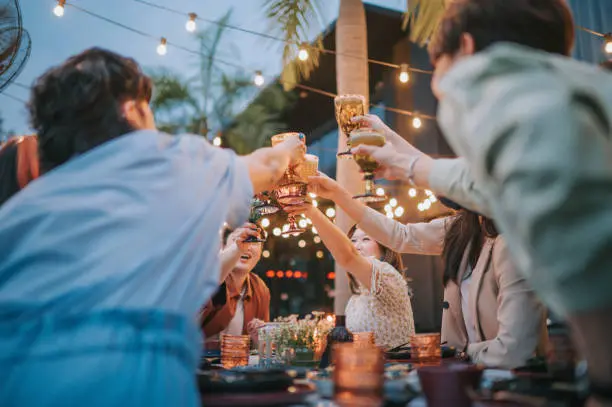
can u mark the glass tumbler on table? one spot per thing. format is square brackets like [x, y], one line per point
[358, 376]
[235, 350]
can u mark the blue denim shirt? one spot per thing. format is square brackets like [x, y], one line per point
[105, 262]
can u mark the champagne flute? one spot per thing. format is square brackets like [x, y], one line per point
[367, 164]
[347, 107]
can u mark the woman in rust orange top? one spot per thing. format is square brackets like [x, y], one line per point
[242, 304]
[18, 165]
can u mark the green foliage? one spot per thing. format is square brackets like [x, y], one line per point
[292, 19]
[253, 128]
[423, 17]
[209, 99]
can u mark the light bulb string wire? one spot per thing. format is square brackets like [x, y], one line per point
[225, 62]
[272, 37]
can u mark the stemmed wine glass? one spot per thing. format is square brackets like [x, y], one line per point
[347, 107]
[254, 216]
[291, 190]
[367, 164]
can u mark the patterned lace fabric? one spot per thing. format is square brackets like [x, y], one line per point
[385, 309]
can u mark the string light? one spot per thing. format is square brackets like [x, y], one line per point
[608, 43]
[266, 254]
[433, 198]
[276, 232]
[58, 10]
[265, 222]
[302, 223]
[388, 208]
[314, 230]
[258, 79]
[303, 53]
[216, 140]
[393, 202]
[315, 203]
[317, 239]
[389, 215]
[404, 76]
[412, 192]
[427, 204]
[162, 48]
[420, 207]
[428, 192]
[286, 227]
[191, 24]
[380, 191]
[319, 254]
[399, 211]
[302, 243]
[417, 122]
[330, 212]
[312, 195]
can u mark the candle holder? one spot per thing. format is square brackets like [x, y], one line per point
[358, 376]
[234, 350]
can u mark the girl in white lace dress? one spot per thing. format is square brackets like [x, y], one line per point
[380, 302]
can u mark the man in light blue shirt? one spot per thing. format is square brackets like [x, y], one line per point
[107, 258]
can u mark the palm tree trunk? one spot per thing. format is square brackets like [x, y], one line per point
[352, 78]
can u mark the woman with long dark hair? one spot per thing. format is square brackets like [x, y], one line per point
[380, 300]
[489, 311]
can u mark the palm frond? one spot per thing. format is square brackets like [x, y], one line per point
[292, 19]
[170, 90]
[423, 17]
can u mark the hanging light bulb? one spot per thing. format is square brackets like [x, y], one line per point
[608, 43]
[314, 230]
[303, 52]
[416, 122]
[427, 204]
[330, 212]
[276, 232]
[319, 254]
[393, 202]
[217, 141]
[404, 76]
[433, 198]
[428, 192]
[315, 203]
[265, 222]
[191, 24]
[258, 79]
[399, 211]
[317, 239]
[388, 208]
[302, 243]
[162, 48]
[380, 191]
[412, 192]
[302, 223]
[266, 254]
[390, 215]
[58, 10]
[420, 207]
[312, 195]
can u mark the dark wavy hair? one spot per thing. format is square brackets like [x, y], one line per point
[546, 25]
[76, 106]
[466, 228]
[388, 256]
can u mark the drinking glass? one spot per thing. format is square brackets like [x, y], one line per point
[358, 375]
[347, 107]
[367, 164]
[234, 350]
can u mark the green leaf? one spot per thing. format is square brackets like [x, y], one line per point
[423, 17]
